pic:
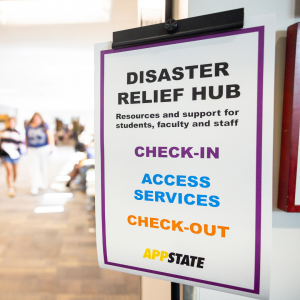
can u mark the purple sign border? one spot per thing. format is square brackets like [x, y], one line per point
[260, 31]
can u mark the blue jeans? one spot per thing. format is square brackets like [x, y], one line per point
[7, 159]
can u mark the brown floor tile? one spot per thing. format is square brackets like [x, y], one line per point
[53, 256]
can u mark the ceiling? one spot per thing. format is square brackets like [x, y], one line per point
[50, 67]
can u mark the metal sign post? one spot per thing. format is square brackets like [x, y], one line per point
[175, 291]
[191, 292]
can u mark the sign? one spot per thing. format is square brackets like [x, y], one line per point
[185, 145]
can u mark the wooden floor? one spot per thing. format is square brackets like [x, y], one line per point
[52, 256]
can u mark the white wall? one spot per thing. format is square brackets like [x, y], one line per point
[5, 110]
[285, 268]
[51, 67]
[180, 9]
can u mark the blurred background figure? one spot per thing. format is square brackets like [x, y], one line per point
[40, 144]
[10, 141]
[48, 242]
[86, 157]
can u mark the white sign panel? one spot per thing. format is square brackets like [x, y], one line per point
[185, 147]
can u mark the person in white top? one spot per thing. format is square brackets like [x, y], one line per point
[40, 144]
[10, 141]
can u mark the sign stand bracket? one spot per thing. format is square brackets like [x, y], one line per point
[184, 28]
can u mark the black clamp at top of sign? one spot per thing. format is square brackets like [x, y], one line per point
[172, 29]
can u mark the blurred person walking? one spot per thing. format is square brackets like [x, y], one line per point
[10, 141]
[40, 144]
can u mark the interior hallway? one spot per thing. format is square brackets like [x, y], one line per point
[52, 256]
